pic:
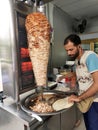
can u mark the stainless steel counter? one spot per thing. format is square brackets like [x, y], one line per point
[14, 117]
[18, 119]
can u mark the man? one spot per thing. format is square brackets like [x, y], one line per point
[87, 76]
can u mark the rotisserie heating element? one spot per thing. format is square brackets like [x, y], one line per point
[27, 80]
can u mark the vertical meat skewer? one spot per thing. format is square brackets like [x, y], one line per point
[38, 34]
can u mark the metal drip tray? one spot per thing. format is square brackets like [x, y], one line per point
[31, 99]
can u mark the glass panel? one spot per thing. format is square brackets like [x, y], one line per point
[85, 46]
[96, 47]
[90, 44]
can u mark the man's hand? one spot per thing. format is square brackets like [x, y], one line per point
[74, 98]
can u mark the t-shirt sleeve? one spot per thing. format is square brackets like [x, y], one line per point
[92, 63]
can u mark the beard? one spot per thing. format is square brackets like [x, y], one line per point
[74, 56]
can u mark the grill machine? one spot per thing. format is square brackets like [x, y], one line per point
[17, 75]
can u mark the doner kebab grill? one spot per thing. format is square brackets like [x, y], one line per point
[38, 34]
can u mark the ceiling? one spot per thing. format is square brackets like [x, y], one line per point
[78, 9]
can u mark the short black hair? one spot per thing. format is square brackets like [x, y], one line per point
[73, 38]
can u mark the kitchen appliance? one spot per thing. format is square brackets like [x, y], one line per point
[16, 68]
[49, 98]
[17, 74]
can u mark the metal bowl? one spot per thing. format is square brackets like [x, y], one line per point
[30, 100]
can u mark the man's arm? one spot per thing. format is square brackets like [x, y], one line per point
[91, 91]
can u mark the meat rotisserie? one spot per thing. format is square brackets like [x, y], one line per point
[38, 34]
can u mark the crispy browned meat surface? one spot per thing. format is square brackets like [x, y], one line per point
[38, 34]
[41, 107]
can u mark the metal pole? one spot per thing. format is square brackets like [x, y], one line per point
[35, 4]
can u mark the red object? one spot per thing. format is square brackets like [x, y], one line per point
[67, 79]
[26, 66]
[24, 52]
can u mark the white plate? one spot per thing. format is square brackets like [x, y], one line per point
[70, 62]
[51, 83]
[62, 104]
[62, 87]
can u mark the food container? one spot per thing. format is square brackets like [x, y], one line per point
[31, 100]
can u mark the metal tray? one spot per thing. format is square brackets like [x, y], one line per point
[27, 101]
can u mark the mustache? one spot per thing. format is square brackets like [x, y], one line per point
[71, 55]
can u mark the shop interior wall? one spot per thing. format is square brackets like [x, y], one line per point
[62, 27]
[92, 25]
[91, 30]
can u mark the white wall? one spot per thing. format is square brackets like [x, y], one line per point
[62, 26]
[91, 30]
[92, 26]
[1, 87]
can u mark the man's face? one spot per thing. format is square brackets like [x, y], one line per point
[72, 51]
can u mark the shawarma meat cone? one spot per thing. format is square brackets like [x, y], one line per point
[38, 34]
